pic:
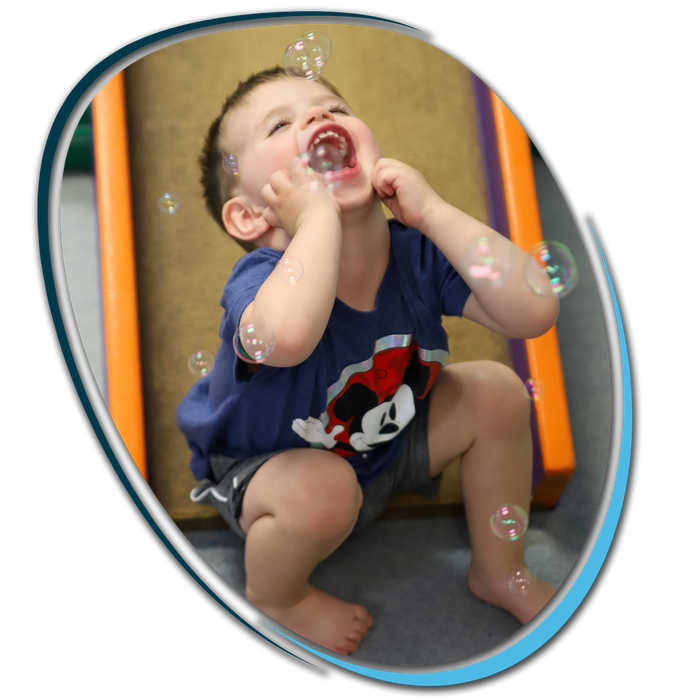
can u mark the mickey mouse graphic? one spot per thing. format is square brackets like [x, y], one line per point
[377, 400]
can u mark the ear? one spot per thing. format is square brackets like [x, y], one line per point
[244, 220]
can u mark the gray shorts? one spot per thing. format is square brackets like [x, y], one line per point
[409, 473]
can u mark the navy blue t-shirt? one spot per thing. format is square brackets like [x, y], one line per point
[360, 387]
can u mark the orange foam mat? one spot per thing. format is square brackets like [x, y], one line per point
[121, 335]
[543, 354]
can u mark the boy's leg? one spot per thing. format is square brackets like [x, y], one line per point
[298, 508]
[480, 410]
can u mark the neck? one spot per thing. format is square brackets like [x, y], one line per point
[364, 255]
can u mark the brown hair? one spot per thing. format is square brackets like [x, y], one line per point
[218, 185]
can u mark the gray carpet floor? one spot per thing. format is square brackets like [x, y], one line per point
[411, 573]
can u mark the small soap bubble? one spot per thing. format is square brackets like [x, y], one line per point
[520, 581]
[230, 164]
[169, 203]
[535, 388]
[485, 263]
[289, 270]
[304, 59]
[509, 522]
[552, 261]
[323, 41]
[201, 363]
[253, 342]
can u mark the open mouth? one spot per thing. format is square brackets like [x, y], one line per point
[331, 150]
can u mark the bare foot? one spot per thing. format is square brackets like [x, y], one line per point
[523, 607]
[324, 619]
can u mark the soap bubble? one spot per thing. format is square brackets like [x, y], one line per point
[324, 158]
[535, 388]
[230, 164]
[520, 581]
[289, 270]
[201, 363]
[325, 161]
[253, 342]
[509, 522]
[486, 262]
[304, 59]
[552, 261]
[323, 41]
[169, 203]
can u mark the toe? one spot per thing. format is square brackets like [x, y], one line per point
[348, 646]
[361, 613]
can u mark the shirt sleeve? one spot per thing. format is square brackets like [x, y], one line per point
[250, 272]
[438, 280]
[454, 291]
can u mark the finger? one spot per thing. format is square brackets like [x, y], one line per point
[269, 194]
[299, 171]
[382, 178]
[384, 192]
[271, 219]
[280, 180]
[389, 190]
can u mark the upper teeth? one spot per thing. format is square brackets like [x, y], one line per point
[342, 141]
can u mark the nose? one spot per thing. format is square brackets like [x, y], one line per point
[316, 114]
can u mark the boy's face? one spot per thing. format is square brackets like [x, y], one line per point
[281, 119]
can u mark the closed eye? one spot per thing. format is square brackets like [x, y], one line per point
[337, 107]
[277, 125]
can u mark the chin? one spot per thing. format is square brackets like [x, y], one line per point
[354, 192]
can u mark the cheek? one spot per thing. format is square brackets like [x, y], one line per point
[378, 150]
[259, 170]
[369, 149]
[366, 137]
[277, 158]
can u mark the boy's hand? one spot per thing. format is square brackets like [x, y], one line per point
[293, 195]
[405, 191]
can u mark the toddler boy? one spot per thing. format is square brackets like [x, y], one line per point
[355, 403]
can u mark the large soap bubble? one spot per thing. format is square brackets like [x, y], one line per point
[486, 262]
[304, 59]
[520, 581]
[323, 41]
[552, 262]
[509, 522]
[289, 270]
[253, 342]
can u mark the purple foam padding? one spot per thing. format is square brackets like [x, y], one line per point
[498, 217]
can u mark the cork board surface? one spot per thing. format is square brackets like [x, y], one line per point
[418, 102]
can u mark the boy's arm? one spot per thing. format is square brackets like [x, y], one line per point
[511, 309]
[298, 313]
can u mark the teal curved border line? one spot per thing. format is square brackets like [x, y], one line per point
[537, 637]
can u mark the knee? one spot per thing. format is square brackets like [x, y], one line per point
[324, 495]
[502, 397]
